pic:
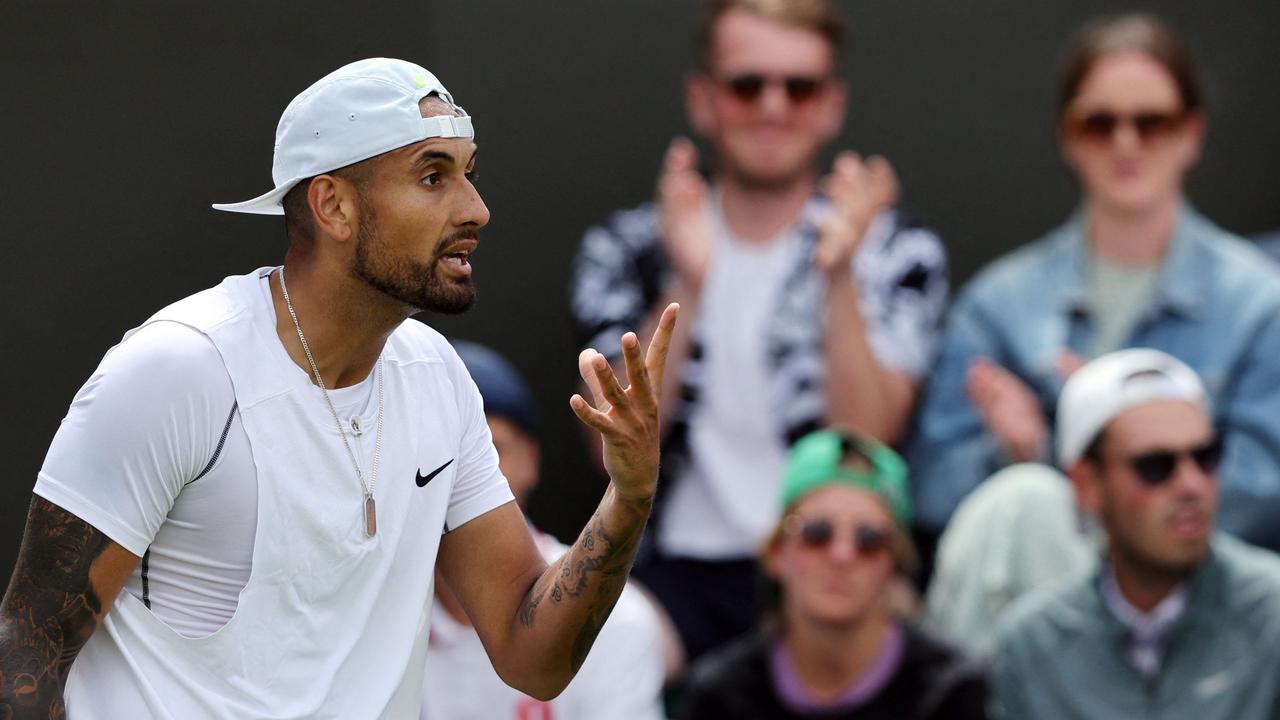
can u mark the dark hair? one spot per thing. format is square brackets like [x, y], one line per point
[1136, 32]
[820, 16]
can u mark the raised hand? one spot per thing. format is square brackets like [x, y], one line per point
[685, 214]
[628, 419]
[1009, 410]
[858, 190]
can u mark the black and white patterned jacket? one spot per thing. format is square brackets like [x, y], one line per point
[901, 272]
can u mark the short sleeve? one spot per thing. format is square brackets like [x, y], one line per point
[479, 485]
[616, 277]
[904, 281]
[144, 424]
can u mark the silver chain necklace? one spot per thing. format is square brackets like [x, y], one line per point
[370, 508]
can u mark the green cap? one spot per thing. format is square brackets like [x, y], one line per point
[814, 462]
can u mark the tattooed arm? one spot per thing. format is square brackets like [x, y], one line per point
[66, 578]
[537, 623]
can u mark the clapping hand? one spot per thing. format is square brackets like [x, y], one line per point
[858, 191]
[1009, 410]
[685, 213]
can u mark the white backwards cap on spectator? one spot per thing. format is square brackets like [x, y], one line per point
[1113, 383]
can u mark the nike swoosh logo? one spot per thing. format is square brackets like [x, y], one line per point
[424, 479]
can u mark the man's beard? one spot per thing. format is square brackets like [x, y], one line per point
[412, 283]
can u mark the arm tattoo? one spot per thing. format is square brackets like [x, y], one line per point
[49, 611]
[597, 553]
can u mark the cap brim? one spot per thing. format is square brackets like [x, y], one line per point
[266, 204]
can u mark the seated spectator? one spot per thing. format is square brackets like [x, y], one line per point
[1135, 266]
[622, 677]
[808, 300]
[833, 648]
[1178, 622]
[1020, 530]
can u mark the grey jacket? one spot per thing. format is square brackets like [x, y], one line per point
[1061, 653]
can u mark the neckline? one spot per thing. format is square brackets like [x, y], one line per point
[352, 401]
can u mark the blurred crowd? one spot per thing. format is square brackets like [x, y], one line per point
[1055, 495]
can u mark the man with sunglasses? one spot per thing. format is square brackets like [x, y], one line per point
[1177, 621]
[814, 301]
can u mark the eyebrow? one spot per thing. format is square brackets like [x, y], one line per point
[428, 156]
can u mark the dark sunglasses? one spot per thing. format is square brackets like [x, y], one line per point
[748, 87]
[819, 533]
[1155, 468]
[1101, 126]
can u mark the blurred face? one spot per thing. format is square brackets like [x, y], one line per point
[420, 217]
[518, 456]
[833, 557]
[1127, 135]
[1155, 487]
[769, 101]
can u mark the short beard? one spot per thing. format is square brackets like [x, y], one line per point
[413, 284]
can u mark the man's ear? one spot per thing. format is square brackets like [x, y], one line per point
[699, 102]
[1086, 480]
[834, 104]
[334, 204]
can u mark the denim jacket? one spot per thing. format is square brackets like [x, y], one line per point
[1216, 307]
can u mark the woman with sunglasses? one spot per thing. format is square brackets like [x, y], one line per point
[833, 647]
[1135, 266]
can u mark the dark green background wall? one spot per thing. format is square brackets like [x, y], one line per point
[121, 122]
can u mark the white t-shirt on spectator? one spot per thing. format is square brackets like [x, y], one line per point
[621, 679]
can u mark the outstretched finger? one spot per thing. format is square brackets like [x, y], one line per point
[590, 416]
[637, 373]
[588, 374]
[608, 382]
[656, 358]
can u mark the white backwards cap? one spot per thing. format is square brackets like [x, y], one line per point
[1113, 383]
[354, 113]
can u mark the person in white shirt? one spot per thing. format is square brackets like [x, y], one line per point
[272, 468]
[811, 298]
[623, 676]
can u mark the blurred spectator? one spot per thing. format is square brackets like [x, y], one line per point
[1018, 531]
[1135, 266]
[808, 301]
[622, 677]
[834, 649]
[1178, 622]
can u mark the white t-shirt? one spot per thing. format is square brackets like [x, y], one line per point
[158, 452]
[724, 503]
[621, 678]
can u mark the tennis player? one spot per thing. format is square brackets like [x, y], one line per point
[271, 469]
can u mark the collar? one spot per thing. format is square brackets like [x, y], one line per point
[1145, 626]
[1182, 286]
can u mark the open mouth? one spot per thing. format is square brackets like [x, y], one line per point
[457, 255]
[459, 259]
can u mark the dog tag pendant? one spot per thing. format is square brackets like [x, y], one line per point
[370, 516]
